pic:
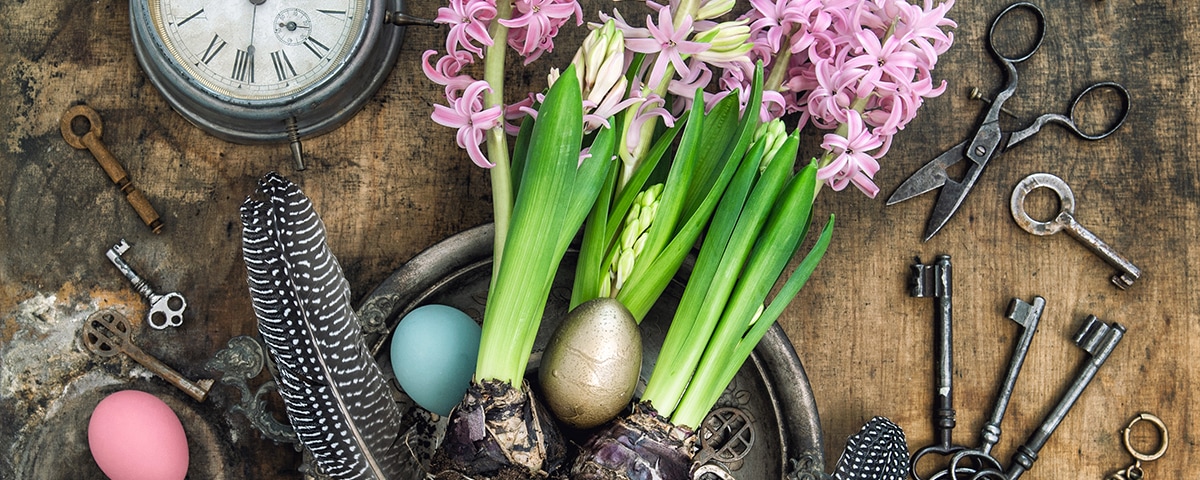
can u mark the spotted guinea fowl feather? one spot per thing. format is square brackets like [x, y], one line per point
[877, 452]
[336, 396]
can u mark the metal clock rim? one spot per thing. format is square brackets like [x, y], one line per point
[326, 105]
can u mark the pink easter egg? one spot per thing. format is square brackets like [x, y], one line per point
[135, 436]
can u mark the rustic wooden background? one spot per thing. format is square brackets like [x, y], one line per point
[391, 182]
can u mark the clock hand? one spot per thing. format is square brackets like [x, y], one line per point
[247, 65]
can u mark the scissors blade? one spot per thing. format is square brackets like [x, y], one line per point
[950, 198]
[928, 177]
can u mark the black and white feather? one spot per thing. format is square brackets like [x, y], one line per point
[336, 396]
[877, 452]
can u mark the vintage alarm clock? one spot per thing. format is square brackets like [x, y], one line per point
[268, 71]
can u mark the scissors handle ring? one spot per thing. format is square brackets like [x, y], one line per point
[1066, 201]
[1041, 31]
[1121, 116]
[1162, 430]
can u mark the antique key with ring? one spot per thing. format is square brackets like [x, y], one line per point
[107, 333]
[165, 310]
[1065, 220]
[90, 141]
[1134, 472]
[936, 281]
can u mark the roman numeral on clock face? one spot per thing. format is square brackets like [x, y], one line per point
[214, 47]
[243, 66]
[317, 48]
[283, 66]
[190, 17]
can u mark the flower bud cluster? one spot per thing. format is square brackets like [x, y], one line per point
[859, 69]
[633, 235]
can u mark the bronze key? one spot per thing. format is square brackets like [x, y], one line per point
[107, 332]
[90, 140]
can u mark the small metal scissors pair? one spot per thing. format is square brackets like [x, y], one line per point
[989, 141]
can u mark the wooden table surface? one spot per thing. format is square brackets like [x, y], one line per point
[390, 183]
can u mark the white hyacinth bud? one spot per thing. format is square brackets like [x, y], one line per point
[714, 8]
[773, 134]
[633, 235]
[600, 61]
[729, 42]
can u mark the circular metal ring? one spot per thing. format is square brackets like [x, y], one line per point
[68, 129]
[1066, 200]
[1162, 430]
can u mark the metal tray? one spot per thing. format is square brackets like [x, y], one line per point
[765, 425]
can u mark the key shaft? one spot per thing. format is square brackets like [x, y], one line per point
[196, 390]
[1128, 272]
[90, 141]
[140, 284]
[935, 280]
[112, 332]
[1027, 315]
[1098, 340]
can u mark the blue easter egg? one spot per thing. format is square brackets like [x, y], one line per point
[434, 349]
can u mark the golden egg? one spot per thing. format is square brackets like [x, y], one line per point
[590, 367]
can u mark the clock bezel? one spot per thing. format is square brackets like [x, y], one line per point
[325, 105]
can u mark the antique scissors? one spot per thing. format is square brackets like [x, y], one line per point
[989, 141]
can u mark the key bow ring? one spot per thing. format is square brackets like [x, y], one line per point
[167, 312]
[1134, 472]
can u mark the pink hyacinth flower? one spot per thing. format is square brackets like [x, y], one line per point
[852, 163]
[468, 20]
[446, 72]
[536, 22]
[669, 42]
[467, 114]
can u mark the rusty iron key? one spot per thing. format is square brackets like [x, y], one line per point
[107, 332]
[90, 140]
[165, 310]
[1098, 340]
[934, 281]
[1065, 220]
[1027, 315]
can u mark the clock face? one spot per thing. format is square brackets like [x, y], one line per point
[259, 49]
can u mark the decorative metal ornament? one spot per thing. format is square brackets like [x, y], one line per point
[268, 71]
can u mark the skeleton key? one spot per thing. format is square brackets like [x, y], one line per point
[1065, 219]
[935, 281]
[165, 310]
[1098, 340]
[107, 332]
[90, 140]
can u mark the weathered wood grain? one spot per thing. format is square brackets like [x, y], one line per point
[391, 182]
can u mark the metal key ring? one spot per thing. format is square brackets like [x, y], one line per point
[172, 316]
[1162, 430]
[1066, 200]
[67, 125]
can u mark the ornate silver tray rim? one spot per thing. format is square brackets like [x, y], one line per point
[786, 384]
